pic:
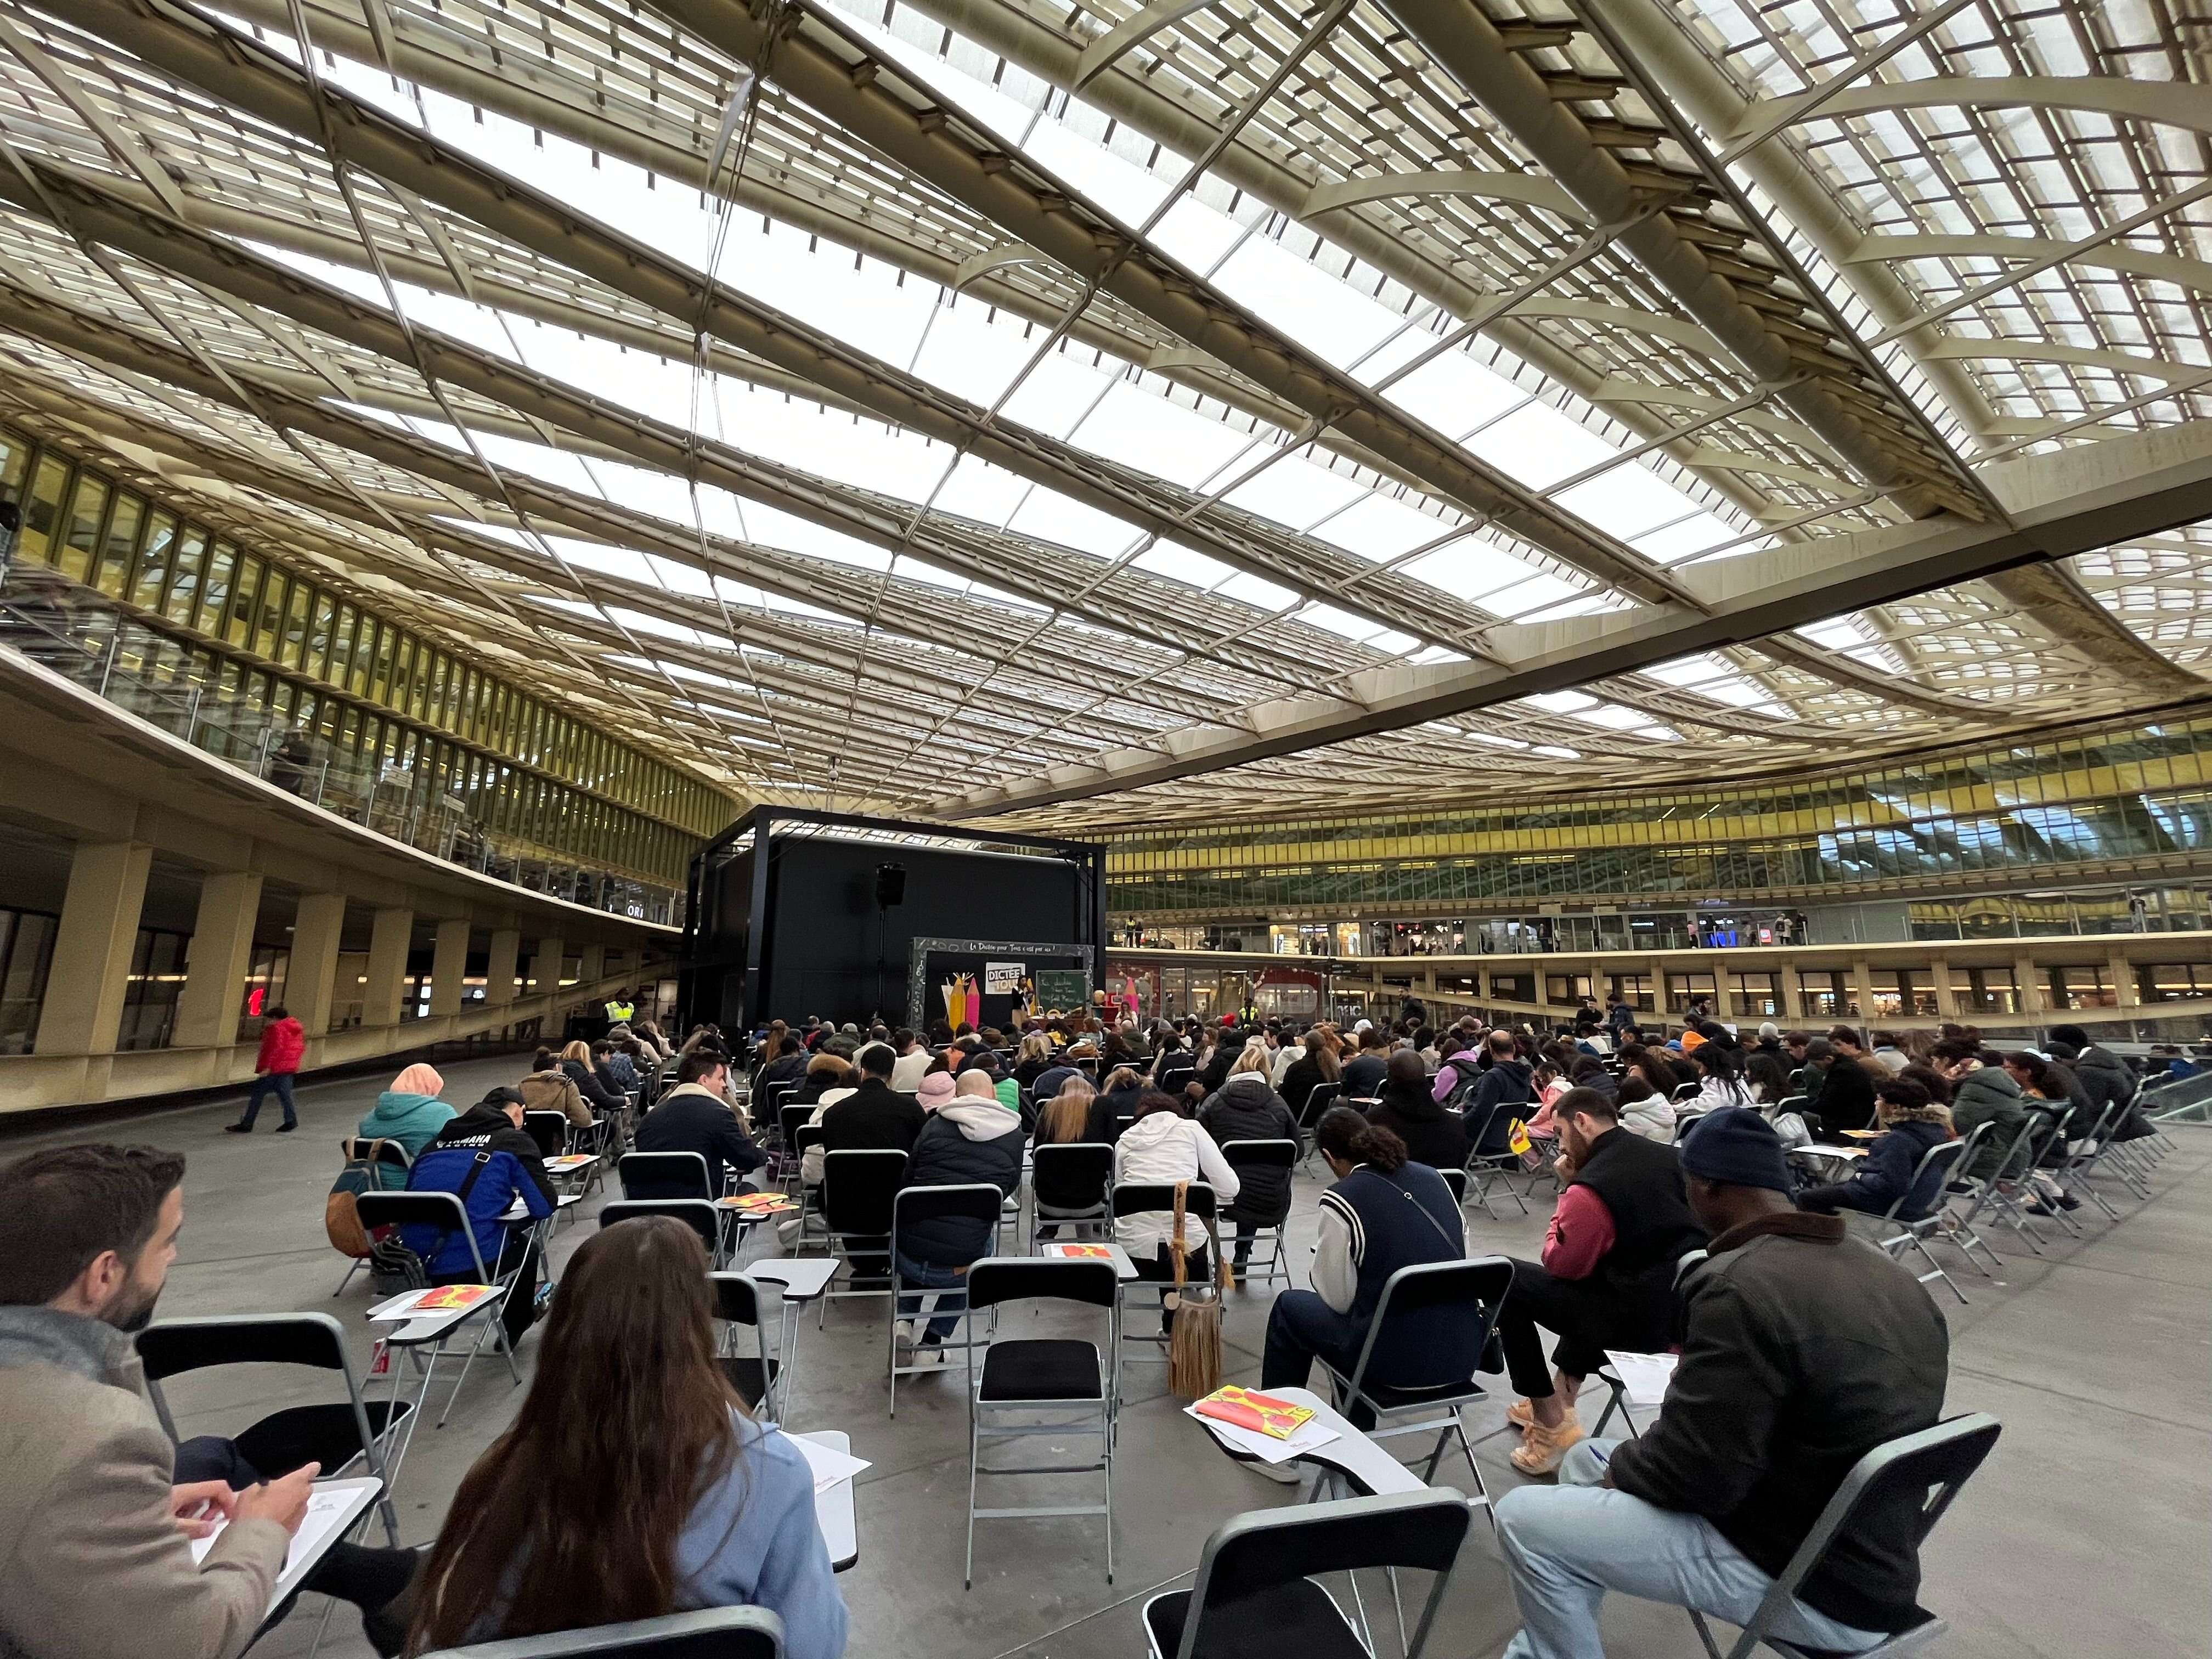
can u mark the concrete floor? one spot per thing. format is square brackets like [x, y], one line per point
[2084, 1533]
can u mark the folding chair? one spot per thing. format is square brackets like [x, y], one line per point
[1447, 1311]
[1037, 1386]
[444, 1212]
[1457, 1180]
[1485, 1168]
[1067, 1186]
[789, 1121]
[337, 1435]
[1954, 1226]
[1901, 1487]
[1200, 1233]
[710, 1633]
[1255, 1594]
[737, 1301]
[2083, 1156]
[1323, 1096]
[2008, 1202]
[380, 1160]
[977, 1200]
[1617, 1390]
[1911, 1233]
[859, 1186]
[549, 1130]
[665, 1174]
[1283, 1155]
[696, 1213]
[1177, 1078]
[1686, 1092]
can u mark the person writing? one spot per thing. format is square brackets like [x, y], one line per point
[1410, 1110]
[695, 1116]
[1368, 1229]
[1607, 1278]
[630, 1414]
[488, 1160]
[1913, 1124]
[549, 1088]
[1804, 1349]
[409, 1111]
[95, 1526]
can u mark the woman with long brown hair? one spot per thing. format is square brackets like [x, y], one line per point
[633, 1482]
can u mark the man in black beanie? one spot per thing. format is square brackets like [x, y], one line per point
[1805, 1349]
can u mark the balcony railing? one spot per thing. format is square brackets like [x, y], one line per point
[76, 632]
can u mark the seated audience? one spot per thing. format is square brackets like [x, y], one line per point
[974, 1139]
[603, 1068]
[1912, 1123]
[1245, 1108]
[577, 1061]
[1982, 1091]
[409, 1111]
[913, 1062]
[1645, 1111]
[826, 1074]
[629, 1413]
[1363, 1073]
[1315, 1064]
[869, 1116]
[1766, 1074]
[98, 1510]
[549, 1088]
[511, 1168]
[1505, 1091]
[1117, 1098]
[695, 1116]
[1720, 1079]
[1459, 1068]
[1385, 1211]
[1607, 1280]
[1164, 1147]
[1078, 1113]
[1889, 1049]
[1033, 1058]
[1842, 1089]
[934, 1092]
[1049, 1080]
[1805, 1349]
[1409, 1109]
[787, 1064]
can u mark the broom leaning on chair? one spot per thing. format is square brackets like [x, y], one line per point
[1194, 1341]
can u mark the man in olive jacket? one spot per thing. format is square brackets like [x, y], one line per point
[95, 1559]
[1805, 1349]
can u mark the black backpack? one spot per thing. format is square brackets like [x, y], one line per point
[394, 1268]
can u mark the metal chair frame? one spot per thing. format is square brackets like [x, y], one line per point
[837, 1241]
[709, 1633]
[1157, 1197]
[1913, 1235]
[739, 1300]
[356, 1150]
[1090, 1283]
[977, 1200]
[1284, 1155]
[1941, 1459]
[485, 1315]
[1485, 1168]
[1092, 1216]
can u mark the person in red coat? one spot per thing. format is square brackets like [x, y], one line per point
[284, 1040]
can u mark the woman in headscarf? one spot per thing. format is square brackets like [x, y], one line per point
[409, 1111]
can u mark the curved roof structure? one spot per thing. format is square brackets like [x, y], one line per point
[1089, 415]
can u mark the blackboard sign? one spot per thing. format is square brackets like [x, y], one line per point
[1065, 989]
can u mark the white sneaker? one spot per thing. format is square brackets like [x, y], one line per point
[925, 1355]
[903, 1333]
[1288, 1473]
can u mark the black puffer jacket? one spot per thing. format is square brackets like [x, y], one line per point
[2105, 1077]
[1432, 1135]
[1246, 1109]
[971, 1140]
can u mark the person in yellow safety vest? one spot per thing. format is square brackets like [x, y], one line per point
[619, 1010]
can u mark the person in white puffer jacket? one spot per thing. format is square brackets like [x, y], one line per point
[1164, 1146]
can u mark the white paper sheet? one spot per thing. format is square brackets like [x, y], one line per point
[1306, 1437]
[328, 1509]
[1645, 1375]
[829, 1465]
[1819, 1150]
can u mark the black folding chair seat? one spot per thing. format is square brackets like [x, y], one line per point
[1043, 1368]
[1298, 1620]
[744, 1372]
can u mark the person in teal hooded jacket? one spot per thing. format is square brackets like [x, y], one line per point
[409, 1111]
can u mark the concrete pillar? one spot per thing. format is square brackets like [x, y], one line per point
[222, 951]
[2123, 980]
[388, 966]
[591, 963]
[500, 966]
[1793, 995]
[90, 969]
[2034, 991]
[1947, 1000]
[545, 965]
[1862, 990]
[311, 982]
[449, 962]
[1724, 987]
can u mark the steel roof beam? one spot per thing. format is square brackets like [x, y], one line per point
[847, 81]
[1469, 48]
[241, 72]
[2061, 504]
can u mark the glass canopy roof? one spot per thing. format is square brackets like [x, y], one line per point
[1094, 415]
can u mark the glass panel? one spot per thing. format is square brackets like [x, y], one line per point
[43, 511]
[82, 538]
[316, 661]
[119, 544]
[245, 594]
[215, 593]
[183, 592]
[152, 574]
[294, 645]
[269, 617]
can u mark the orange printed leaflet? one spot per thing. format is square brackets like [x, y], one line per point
[1084, 1252]
[759, 1203]
[448, 1296]
[1262, 1412]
